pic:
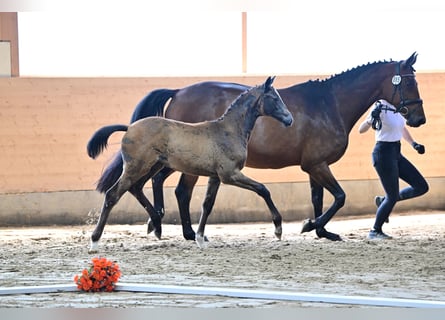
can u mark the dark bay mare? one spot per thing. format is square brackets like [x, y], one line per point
[217, 149]
[325, 111]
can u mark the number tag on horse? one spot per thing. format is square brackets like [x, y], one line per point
[396, 80]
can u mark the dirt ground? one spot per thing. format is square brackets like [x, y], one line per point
[412, 265]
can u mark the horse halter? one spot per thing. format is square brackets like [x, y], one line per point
[397, 81]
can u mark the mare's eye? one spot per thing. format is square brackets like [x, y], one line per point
[410, 82]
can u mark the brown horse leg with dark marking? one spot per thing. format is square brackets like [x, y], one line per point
[316, 197]
[158, 194]
[321, 176]
[317, 203]
[207, 206]
[240, 180]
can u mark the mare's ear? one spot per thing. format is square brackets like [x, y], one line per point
[411, 60]
[268, 83]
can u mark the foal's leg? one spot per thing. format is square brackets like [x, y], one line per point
[207, 205]
[137, 191]
[112, 196]
[240, 180]
[322, 175]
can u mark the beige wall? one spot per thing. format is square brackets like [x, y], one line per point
[45, 124]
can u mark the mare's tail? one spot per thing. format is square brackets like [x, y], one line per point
[151, 105]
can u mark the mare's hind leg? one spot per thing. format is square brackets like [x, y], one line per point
[112, 196]
[240, 180]
[183, 194]
[317, 203]
[158, 194]
[207, 205]
[322, 176]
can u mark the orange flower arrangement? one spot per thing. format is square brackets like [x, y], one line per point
[101, 276]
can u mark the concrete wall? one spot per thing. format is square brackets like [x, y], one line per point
[232, 204]
[46, 176]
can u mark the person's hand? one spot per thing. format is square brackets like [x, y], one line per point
[420, 148]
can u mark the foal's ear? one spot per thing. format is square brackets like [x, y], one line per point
[268, 83]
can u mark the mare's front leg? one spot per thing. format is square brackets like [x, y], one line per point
[183, 194]
[240, 180]
[207, 206]
[321, 177]
[317, 203]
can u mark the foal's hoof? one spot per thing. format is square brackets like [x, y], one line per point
[308, 225]
[201, 241]
[150, 227]
[323, 233]
[278, 232]
[94, 247]
[191, 235]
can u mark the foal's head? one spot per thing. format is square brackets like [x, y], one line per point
[402, 88]
[271, 104]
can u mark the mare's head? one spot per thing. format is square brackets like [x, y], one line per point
[271, 104]
[402, 92]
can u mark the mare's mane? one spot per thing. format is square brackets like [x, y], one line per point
[316, 90]
[354, 71]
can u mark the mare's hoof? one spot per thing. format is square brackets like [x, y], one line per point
[308, 225]
[189, 236]
[323, 233]
[201, 241]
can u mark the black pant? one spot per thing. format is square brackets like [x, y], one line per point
[391, 165]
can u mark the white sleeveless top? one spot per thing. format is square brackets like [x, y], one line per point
[392, 124]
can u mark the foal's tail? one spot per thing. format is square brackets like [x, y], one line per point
[151, 105]
[99, 140]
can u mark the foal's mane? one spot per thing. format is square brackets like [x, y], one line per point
[237, 100]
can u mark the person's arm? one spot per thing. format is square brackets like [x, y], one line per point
[364, 126]
[407, 136]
